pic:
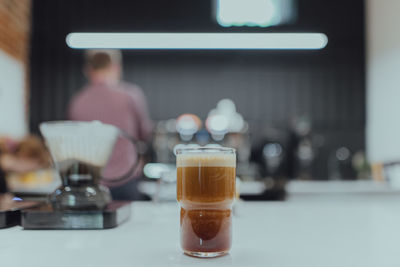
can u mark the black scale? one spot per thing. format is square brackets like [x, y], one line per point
[45, 217]
[35, 215]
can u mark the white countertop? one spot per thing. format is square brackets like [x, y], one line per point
[363, 231]
[299, 187]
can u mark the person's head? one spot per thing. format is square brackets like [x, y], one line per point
[103, 66]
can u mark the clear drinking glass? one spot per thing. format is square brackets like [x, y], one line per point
[205, 192]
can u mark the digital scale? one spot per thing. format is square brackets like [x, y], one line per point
[46, 217]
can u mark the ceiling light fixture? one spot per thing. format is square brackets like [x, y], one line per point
[224, 41]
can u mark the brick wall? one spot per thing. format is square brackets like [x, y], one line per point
[15, 27]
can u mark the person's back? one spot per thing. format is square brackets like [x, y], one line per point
[111, 101]
[116, 106]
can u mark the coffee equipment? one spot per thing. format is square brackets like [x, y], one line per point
[80, 151]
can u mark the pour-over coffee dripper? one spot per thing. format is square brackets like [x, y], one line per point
[80, 150]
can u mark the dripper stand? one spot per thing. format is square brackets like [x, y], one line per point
[81, 188]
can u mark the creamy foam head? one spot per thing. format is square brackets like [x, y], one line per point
[206, 160]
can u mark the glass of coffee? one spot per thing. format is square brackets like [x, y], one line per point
[205, 192]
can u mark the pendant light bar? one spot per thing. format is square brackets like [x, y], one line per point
[219, 41]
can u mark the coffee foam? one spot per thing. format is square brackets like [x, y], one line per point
[206, 160]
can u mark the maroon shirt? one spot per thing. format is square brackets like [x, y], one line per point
[123, 106]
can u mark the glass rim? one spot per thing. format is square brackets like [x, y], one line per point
[194, 150]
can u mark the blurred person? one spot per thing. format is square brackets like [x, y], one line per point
[110, 100]
[26, 155]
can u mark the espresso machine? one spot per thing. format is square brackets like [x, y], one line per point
[80, 151]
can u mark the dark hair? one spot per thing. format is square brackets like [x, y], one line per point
[98, 61]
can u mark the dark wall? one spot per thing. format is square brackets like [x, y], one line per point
[269, 87]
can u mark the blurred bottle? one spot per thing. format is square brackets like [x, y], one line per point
[361, 165]
[340, 164]
[302, 149]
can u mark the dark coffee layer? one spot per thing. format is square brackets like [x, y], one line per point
[206, 230]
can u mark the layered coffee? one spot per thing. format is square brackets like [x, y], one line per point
[205, 191]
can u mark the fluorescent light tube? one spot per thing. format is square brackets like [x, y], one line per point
[231, 41]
